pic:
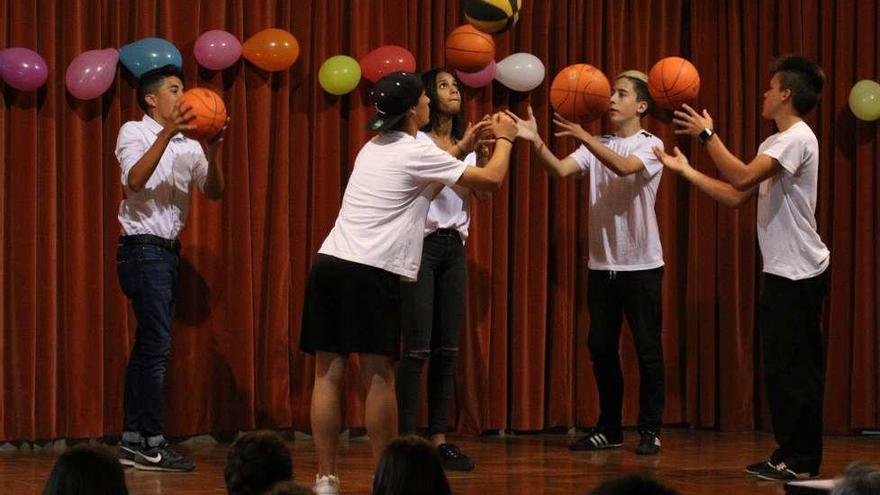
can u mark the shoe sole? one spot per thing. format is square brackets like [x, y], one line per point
[590, 449]
[798, 478]
[126, 462]
[459, 469]
[144, 467]
[653, 452]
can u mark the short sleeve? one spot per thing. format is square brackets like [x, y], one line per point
[645, 152]
[788, 150]
[583, 158]
[436, 165]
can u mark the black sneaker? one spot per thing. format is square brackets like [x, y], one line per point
[453, 459]
[649, 443]
[598, 439]
[786, 472]
[127, 452]
[760, 467]
[162, 458]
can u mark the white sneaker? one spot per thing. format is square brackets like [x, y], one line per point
[326, 485]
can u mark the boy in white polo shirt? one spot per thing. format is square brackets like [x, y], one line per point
[352, 302]
[160, 166]
[784, 174]
[626, 259]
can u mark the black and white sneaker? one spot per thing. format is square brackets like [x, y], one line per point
[127, 452]
[649, 443]
[162, 458]
[786, 472]
[760, 467]
[598, 439]
[454, 459]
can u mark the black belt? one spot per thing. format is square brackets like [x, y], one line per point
[172, 245]
[446, 233]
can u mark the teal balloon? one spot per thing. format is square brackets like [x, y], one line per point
[339, 75]
[864, 100]
[147, 54]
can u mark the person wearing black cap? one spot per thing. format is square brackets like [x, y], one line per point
[352, 301]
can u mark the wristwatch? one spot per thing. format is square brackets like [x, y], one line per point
[705, 135]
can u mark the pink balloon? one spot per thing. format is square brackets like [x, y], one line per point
[23, 69]
[478, 79]
[91, 73]
[385, 60]
[217, 49]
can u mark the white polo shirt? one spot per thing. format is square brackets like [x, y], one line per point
[622, 224]
[382, 219]
[787, 233]
[161, 206]
[450, 209]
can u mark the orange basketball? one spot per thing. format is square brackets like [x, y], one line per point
[580, 93]
[209, 110]
[468, 49]
[673, 81]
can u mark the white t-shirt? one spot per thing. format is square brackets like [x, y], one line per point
[790, 244]
[161, 206]
[382, 219]
[450, 209]
[622, 223]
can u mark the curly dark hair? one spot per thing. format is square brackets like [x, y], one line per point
[256, 462]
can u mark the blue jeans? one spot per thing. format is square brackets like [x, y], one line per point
[148, 276]
[432, 311]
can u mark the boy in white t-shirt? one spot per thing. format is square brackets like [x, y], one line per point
[352, 300]
[784, 174]
[626, 259]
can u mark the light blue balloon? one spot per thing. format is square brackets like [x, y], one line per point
[147, 54]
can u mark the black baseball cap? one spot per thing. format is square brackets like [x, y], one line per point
[393, 96]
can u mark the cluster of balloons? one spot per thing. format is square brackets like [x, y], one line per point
[864, 100]
[91, 73]
[340, 74]
[520, 72]
[22, 68]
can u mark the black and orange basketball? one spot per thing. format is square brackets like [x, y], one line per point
[492, 16]
[580, 93]
[673, 81]
[469, 49]
[209, 111]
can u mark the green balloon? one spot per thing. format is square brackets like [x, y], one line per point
[864, 100]
[339, 75]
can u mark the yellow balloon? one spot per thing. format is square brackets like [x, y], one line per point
[864, 100]
[271, 49]
[339, 75]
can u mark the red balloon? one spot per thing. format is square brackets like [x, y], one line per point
[385, 60]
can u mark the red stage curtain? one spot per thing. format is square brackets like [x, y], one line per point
[66, 329]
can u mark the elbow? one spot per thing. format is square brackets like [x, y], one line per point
[741, 185]
[135, 187]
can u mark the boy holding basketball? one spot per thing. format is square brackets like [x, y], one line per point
[159, 166]
[626, 259]
[784, 174]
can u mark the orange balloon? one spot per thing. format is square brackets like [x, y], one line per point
[271, 49]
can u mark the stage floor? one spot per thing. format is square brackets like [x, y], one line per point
[692, 462]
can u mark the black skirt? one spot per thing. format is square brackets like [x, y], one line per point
[351, 308]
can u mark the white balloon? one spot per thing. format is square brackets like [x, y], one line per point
[520, 72]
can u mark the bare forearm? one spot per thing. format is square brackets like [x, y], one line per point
[548, 160]
[619, 165]
[732, 168]
[719, 190]
[141, 172]
[214, 183]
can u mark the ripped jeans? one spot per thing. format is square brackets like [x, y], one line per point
[432, 311]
